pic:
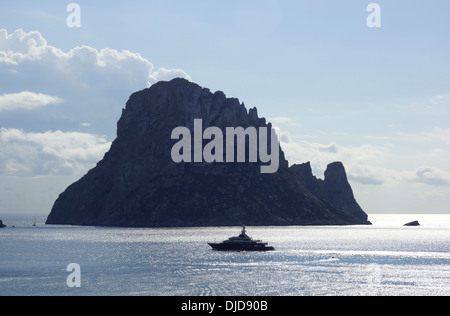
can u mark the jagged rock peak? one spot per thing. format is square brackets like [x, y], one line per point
[336, 174]
[183, 101]
[334, 188]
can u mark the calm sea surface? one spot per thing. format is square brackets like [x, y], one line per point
[384, 259]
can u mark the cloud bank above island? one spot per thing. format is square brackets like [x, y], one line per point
[94, 84]
[28, 52]
[59, 109]
[27, 100]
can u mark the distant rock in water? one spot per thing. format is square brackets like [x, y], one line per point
[137, 184]
[1, 224]
[414, 223]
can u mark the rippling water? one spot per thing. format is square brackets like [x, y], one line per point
[385, 259]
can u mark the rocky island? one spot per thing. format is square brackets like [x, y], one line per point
[412, 224]
[138, 184]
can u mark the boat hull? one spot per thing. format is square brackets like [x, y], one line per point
[240, 247]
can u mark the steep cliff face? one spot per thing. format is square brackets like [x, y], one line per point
[334, 188]
[137, 184]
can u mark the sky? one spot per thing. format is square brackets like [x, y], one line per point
[375, 98]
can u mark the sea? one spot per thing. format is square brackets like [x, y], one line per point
[386, 259]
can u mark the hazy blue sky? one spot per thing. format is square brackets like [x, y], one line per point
[377, 99]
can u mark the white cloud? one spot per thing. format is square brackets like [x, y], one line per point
[83, 62]
[431, 176]
[440, 99]
[16, 47]
[27, 100]
[361, 162]
[365, 164]
[94, 84]
[168, 74]
[280, 120]
[49, 153]
[332, 149]
[371, 174]
[437, 135]
[285, 121]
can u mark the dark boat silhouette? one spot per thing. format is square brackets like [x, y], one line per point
[241, 243]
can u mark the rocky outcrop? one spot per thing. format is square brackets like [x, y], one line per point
[137, 183]
[335, 188]
[1, 224]
[412, 224]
